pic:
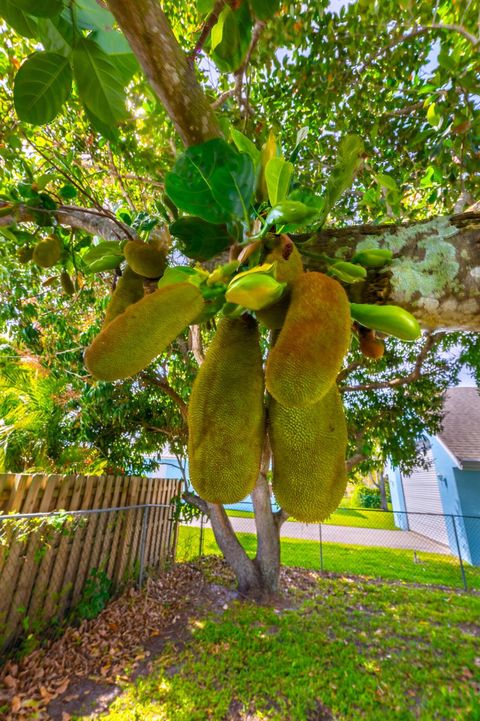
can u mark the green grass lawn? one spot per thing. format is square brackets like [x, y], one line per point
[344, 516]
[392, 564]
[354, 651]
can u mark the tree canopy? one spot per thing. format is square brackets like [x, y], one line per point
[201, 131]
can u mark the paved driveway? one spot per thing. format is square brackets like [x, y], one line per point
[380, 538]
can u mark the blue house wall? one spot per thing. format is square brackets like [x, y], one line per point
[460, 496]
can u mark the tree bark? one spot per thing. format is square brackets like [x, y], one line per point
[435, 273]
[248, 577]
[267, 558]
[167, 68]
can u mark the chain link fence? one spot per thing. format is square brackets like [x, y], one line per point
[65, 565]
[413, 547]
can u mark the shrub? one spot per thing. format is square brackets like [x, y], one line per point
[365, 497]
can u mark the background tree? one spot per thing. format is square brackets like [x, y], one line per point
[214, 69]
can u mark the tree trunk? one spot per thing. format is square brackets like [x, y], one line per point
[257, 579]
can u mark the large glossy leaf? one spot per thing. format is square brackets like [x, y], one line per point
[110, 132]
[212, 181]
[91, 15]
[118, 50]
[198, 239]
[233, 186]
[230, 37]
[278, 174]
[245, 145]
[41, 8]
[42, 85]
[22, 23]
[100, 84]
[264, 9]
[56, 34]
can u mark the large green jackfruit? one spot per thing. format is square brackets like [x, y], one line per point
[129, 290]
[47, 252]
[288, 267]
[145, 259]
[134, 338]
[226, 414]
[307, 356]
[308, 446]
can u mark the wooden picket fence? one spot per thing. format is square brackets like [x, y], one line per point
[44, 567]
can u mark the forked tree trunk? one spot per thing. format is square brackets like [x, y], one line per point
[257, 578]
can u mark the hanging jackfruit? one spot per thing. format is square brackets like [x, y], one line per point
[143, 331]
[308, 354]
[47, 252]
[129, 290]
[308, 446]
[288, 267]
[226, 415]
[67, 283]
[145, 259]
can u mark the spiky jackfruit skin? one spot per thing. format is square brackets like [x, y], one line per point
[47, 252]
[308, 446]
[144, 259]
[143, 331]
[304, 362]
[129, 290]
[288, 268]
[285, 254]
[226, 414]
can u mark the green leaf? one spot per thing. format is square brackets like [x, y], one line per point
[302, 135]
[347, 272]
[67, 192]
[118, 50]
[41, 8]
[233, 186]
[211, 180]
[181, 274]
[105, 248]
[349, 159]
[432, 116]
[230, 38]
[205, 7]
[386, 181]
[264, 9]
[106, 255]
[42, 85]
[200, 240]
[245, 145]
[17, 19]
[100, 84]
[91, 16]
[110, 132]
[56, 35]
[278, 174]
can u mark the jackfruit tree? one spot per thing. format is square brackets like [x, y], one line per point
[225, 203]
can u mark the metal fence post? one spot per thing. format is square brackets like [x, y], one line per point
[321, 546]
[462, 569]
[143, 538]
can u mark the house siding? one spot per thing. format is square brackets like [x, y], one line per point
[422, 498]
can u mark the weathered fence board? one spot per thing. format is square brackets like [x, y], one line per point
[43, 575]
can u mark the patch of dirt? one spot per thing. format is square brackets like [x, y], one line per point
[82, 671]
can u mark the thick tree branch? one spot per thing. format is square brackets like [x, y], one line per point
[167, 68]
[354, 460]
[435, 272]
[91, 221]
[195, 343]
[196, 501]
[430, 341]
